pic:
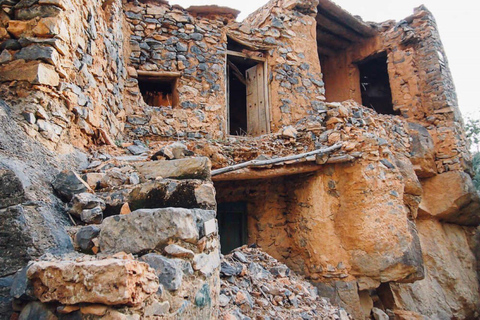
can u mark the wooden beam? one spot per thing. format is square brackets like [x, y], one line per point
[331, 41]
[158, 74]
[346, 18]
[338, 29]
[257, 174]
[244, 56]
[259, 163]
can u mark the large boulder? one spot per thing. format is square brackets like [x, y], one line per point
[110, 281]
[451, 197]
[190, 168]
[27, 232]
[149, 229]
[162, 193]
[450, 287]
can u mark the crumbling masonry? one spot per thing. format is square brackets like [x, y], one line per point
[116, 116]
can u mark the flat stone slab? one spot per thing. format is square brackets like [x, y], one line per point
[110, 281]
[189, 168]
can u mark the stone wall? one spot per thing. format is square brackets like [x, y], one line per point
[63, 70]
[420, 80]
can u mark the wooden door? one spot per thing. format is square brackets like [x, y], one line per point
[256, 101]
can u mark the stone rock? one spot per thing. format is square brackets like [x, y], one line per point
[113, 178]
[137, 150]
[205, 195]
[147, 229]
[11, 189]
[289, 132]
[157, 194]
[93, 179]
[68, 183]
[343, 293]
[202, 298]
[110, 281]
[206, 263]
[84, 237]
[157, 309]
[422, 151]
[5, 57]
[191, 168]
[37, 310]
[92, 216]
[178, 251]
[35, 72]
[169, 273]
[450, 287]
[6, 299]
[83, 201]
[451, 197]
[37, 52]
[21, 287]
[94, 309]
[379, 314]
[34, 11]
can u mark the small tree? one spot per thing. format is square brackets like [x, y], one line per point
[472, 128]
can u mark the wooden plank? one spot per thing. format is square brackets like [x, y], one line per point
[331, 41]
[259, 163]
[262, 111]
[252, 101]
[267, 96]
[244, 56]
[338, 29]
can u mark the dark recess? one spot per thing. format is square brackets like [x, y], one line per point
[375, 84]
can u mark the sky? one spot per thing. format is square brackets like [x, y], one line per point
[457, 22]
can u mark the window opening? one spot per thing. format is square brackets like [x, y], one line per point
[158, 91]
[232, 225]
[375, 84]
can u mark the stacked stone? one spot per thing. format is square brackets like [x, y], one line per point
[170, 39]
[44, 46]
[149, 263]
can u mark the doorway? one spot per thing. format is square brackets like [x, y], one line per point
[247, 95]
[232, 225]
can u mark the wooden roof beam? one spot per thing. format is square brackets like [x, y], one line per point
[331, 40]
[338, 29]
[346, 18]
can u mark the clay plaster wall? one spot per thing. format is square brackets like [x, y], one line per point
[420, 80]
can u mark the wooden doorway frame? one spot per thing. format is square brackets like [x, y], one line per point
[263, 62]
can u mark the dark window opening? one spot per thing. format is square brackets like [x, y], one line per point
[232, 225]
[158, 92]
[375, 84]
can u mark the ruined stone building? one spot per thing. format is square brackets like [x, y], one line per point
[117, 117]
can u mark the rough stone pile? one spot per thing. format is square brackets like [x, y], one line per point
[256, 286]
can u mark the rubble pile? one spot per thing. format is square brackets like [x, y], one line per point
[256, 286]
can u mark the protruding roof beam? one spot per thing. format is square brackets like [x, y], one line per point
[338, 29]
[346, 18]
